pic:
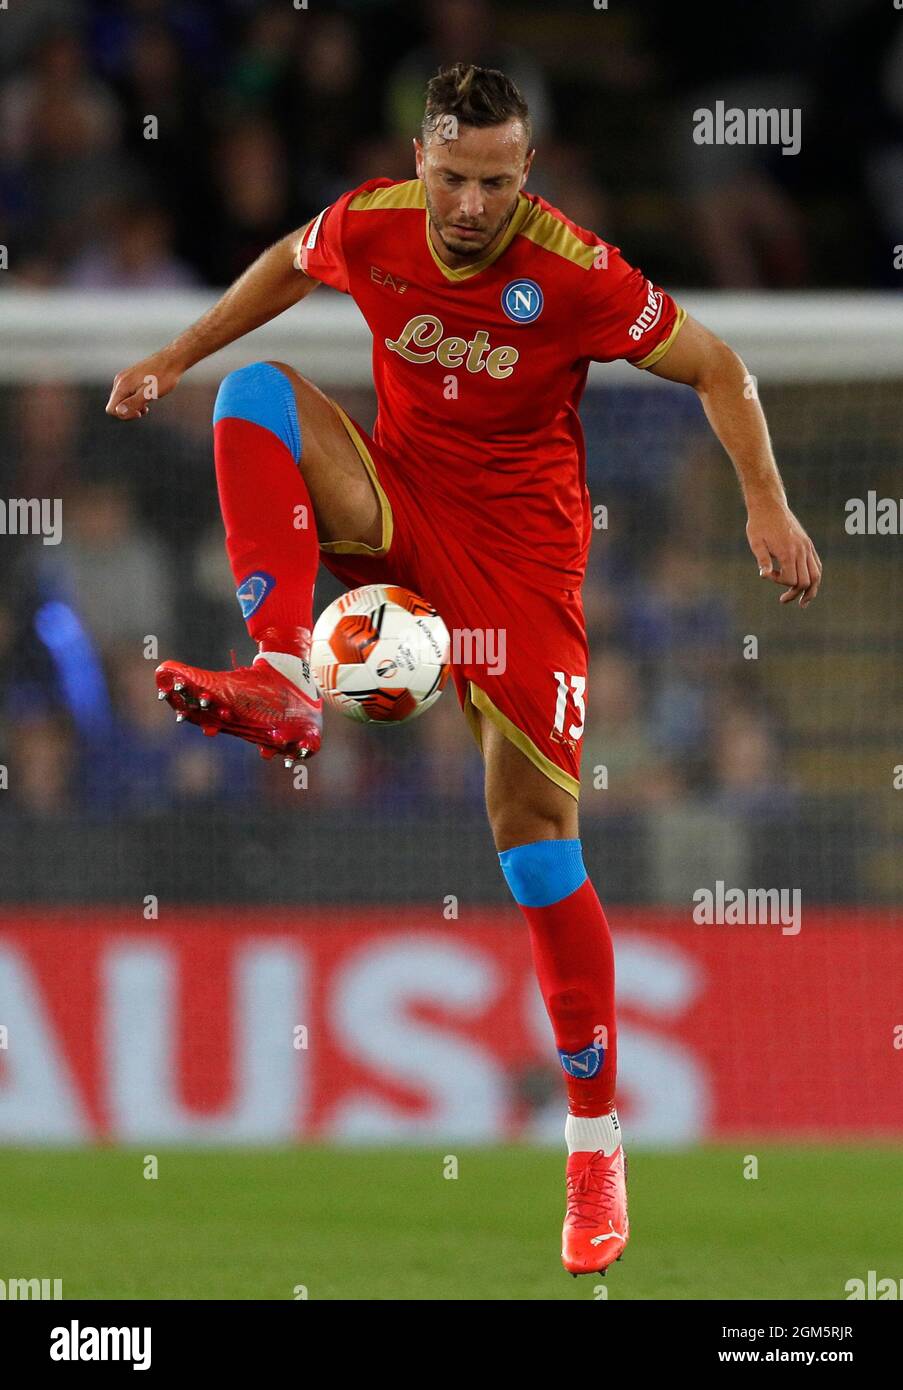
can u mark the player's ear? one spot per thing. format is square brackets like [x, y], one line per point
[418, 157]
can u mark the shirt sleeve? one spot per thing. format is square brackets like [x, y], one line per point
[624, 314]
[320, 253]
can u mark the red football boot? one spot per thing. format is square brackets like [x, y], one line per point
[255, 702]
[595, 1226]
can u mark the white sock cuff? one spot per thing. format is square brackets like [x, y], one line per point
[294, 668]
[587, 1134]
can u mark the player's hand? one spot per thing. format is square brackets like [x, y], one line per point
[784, 552]
[135, 389]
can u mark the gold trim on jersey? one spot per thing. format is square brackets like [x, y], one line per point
[651, 358]
[477, 699]
[385, 506]
[545, 230]
[410, 194]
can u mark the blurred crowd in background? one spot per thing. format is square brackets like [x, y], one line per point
[142, 574]
[265, 112]
[686, 744]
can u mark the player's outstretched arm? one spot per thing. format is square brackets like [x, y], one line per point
[266, 289]
[784, 552]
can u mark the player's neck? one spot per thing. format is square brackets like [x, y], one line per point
[456, 262]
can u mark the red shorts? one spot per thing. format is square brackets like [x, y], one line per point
[519, 652]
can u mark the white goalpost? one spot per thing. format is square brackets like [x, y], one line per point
[68, 336]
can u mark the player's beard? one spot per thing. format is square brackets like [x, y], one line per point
[464, 249]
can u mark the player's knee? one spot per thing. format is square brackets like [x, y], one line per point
[542, 872]
[263, 395]
[515, 827]
[239, 386]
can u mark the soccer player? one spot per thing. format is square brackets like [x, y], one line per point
[486, 306]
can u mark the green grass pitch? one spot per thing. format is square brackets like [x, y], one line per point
[386, 1224]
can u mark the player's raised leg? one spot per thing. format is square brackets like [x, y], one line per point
[535, 825]
[288, 476]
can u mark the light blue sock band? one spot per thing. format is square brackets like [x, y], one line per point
[544, 872]
[264, 395]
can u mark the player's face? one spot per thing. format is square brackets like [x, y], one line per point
[472, 183]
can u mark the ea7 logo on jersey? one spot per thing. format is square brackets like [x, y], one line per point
[421, 340]
[649, 316]
[522, 300]
[388, 281]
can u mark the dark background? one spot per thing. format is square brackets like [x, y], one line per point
[266, 113]
[774, 772]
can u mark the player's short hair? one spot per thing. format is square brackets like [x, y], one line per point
[473, 96]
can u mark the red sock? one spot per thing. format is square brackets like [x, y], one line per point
[574, 959]
[271, 534]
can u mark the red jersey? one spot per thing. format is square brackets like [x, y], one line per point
[479, 371]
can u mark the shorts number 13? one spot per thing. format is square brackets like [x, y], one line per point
[576, 688]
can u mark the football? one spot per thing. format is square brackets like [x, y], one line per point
[380, 654]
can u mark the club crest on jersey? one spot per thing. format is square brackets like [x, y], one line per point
[583, 1064]
[252, 591]
[522, 300]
